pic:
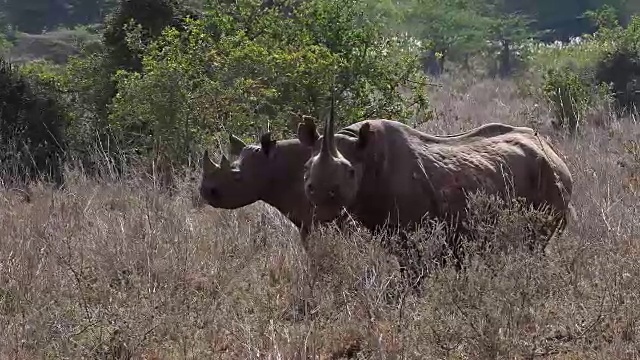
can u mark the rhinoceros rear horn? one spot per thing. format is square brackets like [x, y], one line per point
[266, 143]
[307, 131]
[207, 165]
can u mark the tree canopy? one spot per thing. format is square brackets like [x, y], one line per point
[174, 75]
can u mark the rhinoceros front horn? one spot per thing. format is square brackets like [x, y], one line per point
[328, 147]
[224, 163]
[208, 166]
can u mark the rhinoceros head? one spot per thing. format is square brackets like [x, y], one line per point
[331, 181]
[231, 185]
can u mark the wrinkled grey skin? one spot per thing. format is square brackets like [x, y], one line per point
[387, 173]
[271, 172]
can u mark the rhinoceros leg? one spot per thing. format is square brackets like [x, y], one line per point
[304, 236]
[307, 228]
[411, 261]
[415, 260]
[415, 265]
[553, 226]
[557, 227]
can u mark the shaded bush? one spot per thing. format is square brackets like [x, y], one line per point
[620, 64]
[31, 128]
[5, 45]
[621, 69]
[77, 88]
[150, 17]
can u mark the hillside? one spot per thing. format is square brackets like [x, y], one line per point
[56, 46]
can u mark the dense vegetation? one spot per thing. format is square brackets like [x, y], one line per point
[167, 77]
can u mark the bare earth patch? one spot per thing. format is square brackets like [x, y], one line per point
[121, 270]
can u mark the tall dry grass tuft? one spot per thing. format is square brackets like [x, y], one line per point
[122, 269]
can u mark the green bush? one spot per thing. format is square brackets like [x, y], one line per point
[89, 79]
[605, 64]
[86, 84]
[244, 69]
[568, 94]
[32, 143]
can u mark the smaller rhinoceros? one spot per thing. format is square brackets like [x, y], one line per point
[271, 172]
[387, 174]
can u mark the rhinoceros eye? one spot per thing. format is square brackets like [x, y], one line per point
[351, 172]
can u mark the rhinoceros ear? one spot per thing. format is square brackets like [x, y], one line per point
[235, 145]
[208, 167]
[266, 143]
[307, 131]
[364, 135]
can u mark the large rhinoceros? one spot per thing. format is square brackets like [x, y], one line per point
[271, 172]
[386, 173]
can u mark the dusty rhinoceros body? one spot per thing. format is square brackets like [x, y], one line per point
[407, 174]
[388, 174]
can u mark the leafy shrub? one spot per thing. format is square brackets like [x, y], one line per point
[568, 94]
[31, 128]
[86, 84]
[605, 64]
[245, 68]
[89, 80]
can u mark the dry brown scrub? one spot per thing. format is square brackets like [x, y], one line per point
[118, 270]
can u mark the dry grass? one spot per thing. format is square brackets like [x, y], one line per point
[119, 270]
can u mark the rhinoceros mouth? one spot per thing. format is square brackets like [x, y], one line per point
[326, 213]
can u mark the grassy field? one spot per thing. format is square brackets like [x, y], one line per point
[118, 270]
